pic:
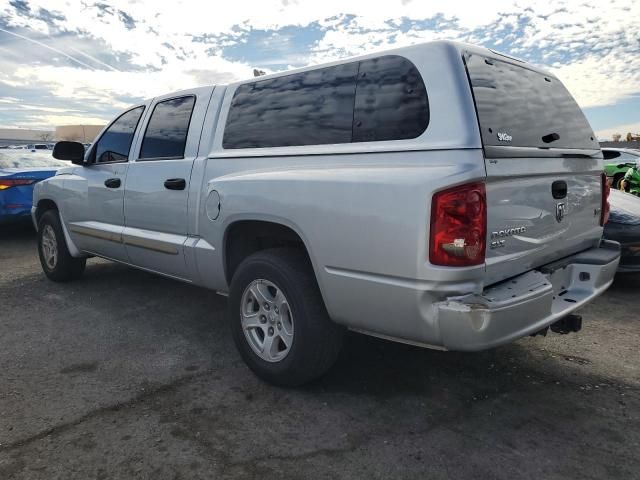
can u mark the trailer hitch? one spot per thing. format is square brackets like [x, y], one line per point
[568, 324]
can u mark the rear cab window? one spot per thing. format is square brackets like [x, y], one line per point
[520, 107]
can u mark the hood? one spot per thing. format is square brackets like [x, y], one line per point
[625, 208]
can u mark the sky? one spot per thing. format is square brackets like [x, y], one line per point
[81, 62]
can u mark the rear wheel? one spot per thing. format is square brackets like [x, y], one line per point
[617, 180]
[279, 321]
[57, 263]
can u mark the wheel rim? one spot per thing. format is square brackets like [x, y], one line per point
[267, 321]
[49, 247]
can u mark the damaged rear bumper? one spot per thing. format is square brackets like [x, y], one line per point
[527, 303]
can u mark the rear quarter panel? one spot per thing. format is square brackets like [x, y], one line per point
[362, 210]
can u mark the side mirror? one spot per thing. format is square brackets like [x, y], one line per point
[72, 151]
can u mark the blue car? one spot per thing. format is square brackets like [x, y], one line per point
[20, 170]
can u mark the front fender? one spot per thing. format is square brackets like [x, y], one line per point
[50, 191]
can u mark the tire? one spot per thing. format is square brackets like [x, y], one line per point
[63, 267]
[615, 184]
[315, 341]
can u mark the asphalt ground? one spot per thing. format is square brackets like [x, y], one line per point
[128, 375]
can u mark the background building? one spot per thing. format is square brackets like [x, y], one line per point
[621, 144]
[78, 133]
[22, 136]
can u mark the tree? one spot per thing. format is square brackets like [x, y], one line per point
[633, 137]
[46, 136]
[616, 137]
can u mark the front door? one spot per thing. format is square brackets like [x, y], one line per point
[94, 213]
[157, 187]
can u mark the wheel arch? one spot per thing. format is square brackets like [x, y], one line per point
[47, 204]
[246, 236]
[252, 227]
[44, 205]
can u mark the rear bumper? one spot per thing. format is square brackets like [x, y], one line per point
[527, 303]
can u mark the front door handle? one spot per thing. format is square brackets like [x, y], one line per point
[175, 184]
[112, 183]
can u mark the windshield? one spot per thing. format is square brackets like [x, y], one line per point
[518, 107]
[29, 160]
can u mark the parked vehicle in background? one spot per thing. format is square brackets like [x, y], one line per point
[37, 146]
[412, 195]
[20, 171]
[617, 163]
[624, 227]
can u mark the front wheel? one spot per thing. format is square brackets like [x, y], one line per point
[279, 322]
[57, 263]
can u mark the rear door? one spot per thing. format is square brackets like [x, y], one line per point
[543, 166]
[157, 187]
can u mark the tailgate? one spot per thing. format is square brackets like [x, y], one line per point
[543, 167]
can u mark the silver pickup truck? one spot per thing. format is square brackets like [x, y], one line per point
[442, 195]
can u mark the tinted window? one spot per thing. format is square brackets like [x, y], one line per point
[115, 143]
[309, 108]
[610, 154]
[166, 134]
[391, 101]
[525, 108]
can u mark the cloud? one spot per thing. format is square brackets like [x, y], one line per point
[97, 57]
[596, 81]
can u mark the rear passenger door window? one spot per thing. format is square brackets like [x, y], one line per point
[166, 134]
[308, 108]
[115, 143]
[391, 101]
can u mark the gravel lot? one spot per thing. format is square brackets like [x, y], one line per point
[125, 375]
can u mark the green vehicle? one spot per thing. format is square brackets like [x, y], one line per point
[618, 161]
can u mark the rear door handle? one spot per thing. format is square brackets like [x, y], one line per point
[112, 183]
[559, 189]
[175, 184]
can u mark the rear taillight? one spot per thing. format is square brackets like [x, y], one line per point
[458, 226]
[605, 208]
[14, 182]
